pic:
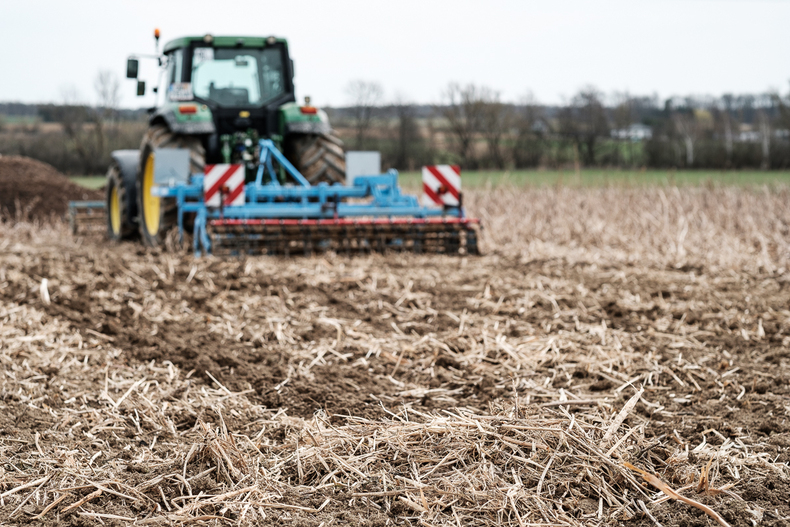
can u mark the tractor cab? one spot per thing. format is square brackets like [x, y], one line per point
[232, 91]
[242, 80]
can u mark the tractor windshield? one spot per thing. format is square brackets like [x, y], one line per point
[237, 76]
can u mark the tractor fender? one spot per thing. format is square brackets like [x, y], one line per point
[195, 124]
[128, 161]
[308, 128]
[294, 121]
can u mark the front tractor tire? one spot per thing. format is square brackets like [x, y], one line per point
[120, 205]
[319, 157]
[158, 215]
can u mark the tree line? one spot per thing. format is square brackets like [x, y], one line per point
[75, 136]
[474, 127]
[471, 125]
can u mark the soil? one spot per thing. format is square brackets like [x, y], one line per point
[351, 338]
[33, 190]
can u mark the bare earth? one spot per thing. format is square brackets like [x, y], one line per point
[604, 327]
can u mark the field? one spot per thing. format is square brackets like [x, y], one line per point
[92, 182]
[606, 330]
[608, 177]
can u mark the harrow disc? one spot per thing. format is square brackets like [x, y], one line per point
[293, 237]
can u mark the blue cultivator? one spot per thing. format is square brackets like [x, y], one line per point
[271, 218]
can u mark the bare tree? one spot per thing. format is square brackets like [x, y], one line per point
[108, 93]
[624, 111]
[497, 121]
[764, 124]
[783, 106]
[364, 97]
[584, 120]
[727, 122]
[408, 139]
[465, 111]
[107, 89]
[687, 126]
[73, 115]
[530, 126]
[624, 115]
[84, 124]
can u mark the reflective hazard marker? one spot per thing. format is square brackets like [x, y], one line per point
[441, 185]
[225, 182]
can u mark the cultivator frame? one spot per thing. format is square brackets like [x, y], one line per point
[370, 215]
[87, 217]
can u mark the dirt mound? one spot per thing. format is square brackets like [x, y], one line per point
[40, 191]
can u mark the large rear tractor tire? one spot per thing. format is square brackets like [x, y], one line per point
[121, 205]
[160, 215]
[319, 157]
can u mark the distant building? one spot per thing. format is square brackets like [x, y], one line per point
[749, 136]
[636, 132]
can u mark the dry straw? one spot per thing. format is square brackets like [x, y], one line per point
[90, 432]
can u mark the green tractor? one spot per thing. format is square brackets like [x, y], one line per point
[217, 96]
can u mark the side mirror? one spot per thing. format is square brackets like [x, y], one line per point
[140, 88]
[293, 73]
[132, 66]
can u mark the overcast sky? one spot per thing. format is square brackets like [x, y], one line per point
[414, 48]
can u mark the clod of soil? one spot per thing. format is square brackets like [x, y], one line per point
[32, 190]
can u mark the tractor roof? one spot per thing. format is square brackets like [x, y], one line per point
[221, 41]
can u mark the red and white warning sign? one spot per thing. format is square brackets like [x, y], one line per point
[441, 185]
[224, 182]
